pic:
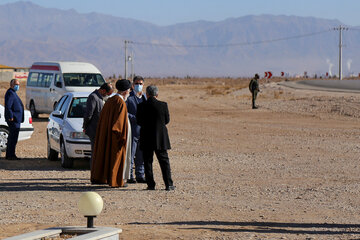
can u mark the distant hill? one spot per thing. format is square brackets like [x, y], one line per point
[32, 33]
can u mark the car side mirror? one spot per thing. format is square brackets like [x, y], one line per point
[58, 84]
[57, 114]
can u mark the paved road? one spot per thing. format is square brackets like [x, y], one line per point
[326, 85]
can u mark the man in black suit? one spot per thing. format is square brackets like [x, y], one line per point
[14, 116]
[152, 116]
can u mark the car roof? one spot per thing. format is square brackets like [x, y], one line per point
[78, 94]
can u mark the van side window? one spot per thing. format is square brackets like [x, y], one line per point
[32, 79]
[47, 79]
[57, 80]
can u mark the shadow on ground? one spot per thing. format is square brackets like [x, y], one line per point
[41, 164]
[51, 184]
[266, 227]
[41, 119]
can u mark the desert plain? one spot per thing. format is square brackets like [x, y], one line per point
[288, 170]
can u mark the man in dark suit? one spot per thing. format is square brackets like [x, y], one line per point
[152, 116]
[94, 105]
[136, 97]
[14, 116]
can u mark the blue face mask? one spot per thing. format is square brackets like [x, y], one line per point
[138, 88]
[16, 88]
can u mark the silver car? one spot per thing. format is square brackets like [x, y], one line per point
[64, 131]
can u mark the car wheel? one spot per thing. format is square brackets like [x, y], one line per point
[66, 162]
[4, 133]
[54, 106]
[33, 112]
[52, 155]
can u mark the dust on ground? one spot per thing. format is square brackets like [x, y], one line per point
[288, 170]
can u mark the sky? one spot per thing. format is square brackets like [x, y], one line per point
[168, 12]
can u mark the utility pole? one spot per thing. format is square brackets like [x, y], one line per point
[132, 65]
[340, 28]
[125, 75]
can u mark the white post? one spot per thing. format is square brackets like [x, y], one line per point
[132, 65]
[125, 75]
[340, 52]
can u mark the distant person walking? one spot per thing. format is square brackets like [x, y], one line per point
[94, 105]
[136, 97]
[14, 116]
[152, 116]
[111, 156]
[254, 89]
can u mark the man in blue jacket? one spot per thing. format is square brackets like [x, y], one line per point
[14, 116]
[136, 97]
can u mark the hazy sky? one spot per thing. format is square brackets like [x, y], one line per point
[167, 12]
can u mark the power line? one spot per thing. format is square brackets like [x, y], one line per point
[230, 44]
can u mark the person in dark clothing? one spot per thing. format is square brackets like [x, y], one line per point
[254, 89]
[14, 116]
[94, 105]
[152, 116]
[136, 97]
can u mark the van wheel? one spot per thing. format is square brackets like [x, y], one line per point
[66, 162]
[33, 112]
[52, 155]
[55, 103]
[4, 133]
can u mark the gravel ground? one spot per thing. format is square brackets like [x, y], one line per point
[288, 170]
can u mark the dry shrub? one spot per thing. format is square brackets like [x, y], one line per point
[278, 93]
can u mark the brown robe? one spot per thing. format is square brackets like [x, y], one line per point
[108, 164]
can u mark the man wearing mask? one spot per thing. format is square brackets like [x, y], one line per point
[94, 105]
[136, 97]
[14, 116]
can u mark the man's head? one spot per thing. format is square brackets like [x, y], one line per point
[106, 89]
[138, 84]
[257, 76]
[123, 86]
[152, 91]
[15, 84]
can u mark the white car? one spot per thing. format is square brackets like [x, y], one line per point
[64, 131]
[26, 128]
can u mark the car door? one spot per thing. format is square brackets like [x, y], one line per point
[56, 122]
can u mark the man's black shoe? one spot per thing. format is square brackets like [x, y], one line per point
[150, 188]
[131, 180]
[170, 188]
[255, 107]
[141, 180]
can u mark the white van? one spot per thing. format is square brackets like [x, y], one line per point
[48, 81]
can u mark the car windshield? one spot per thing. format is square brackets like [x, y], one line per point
[77, 107]
[83, 79]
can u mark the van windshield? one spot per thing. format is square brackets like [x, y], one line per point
[83, 80]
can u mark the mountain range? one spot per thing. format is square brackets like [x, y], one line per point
[232, 47]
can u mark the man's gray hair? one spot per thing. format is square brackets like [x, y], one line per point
[152, 91]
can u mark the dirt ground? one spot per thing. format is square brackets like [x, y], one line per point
[288, 170]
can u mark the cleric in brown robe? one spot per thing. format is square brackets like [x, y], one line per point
[109, 164]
